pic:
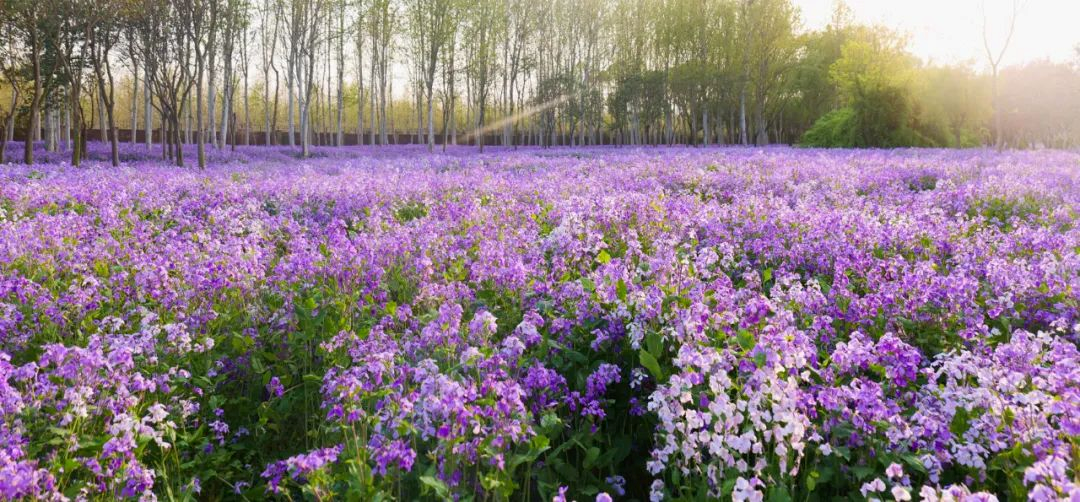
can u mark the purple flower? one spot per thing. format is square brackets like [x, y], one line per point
[274, 387]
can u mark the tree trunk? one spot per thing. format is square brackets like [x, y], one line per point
[762, 138]
[164, 140]
[134, 107]
[420, 116]
[107, 95]
[50, 143]
[226, 108]
[77, 129]
[705, 127]
[247, 112]
[266, 108]
[290, 79]
[998, 142]
[176, 135]
[211, 100]
[114, 138]
[188, 121]
[9, 133]
[148, 112]
[341, 77]
[383, 126]
[431, 117]
[103, 134]
[359, 89]
[744, 137]
[200, 138]
[35, 100]
[373, 111]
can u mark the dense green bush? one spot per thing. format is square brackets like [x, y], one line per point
[834, 129]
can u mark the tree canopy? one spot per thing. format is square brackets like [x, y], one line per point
[509, 72]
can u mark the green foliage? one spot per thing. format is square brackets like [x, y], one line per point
[833, 130]
[890, 101]
[1001, 210]
[410, 211]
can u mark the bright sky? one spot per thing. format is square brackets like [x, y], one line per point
[950, 31]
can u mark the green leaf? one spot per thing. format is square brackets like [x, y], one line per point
[1008, 416]
[913, 461]
[654, 343]
[603, 257]
[550, 421]
[567, 472]
[439, 487]
[539, 443]
[961, 422]
[650, 363]
[590, 456]
[745, 339]
[728, 486]
[620, 290]
[759, 359]
[779, 493]
[826, 474]
[862, 472]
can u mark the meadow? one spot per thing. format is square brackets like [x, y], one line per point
[536, 324]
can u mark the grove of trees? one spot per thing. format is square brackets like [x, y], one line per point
[215, 73]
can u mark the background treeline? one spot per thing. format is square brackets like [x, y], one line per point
[507, 72]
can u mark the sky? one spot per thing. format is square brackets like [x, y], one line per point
[950, 31]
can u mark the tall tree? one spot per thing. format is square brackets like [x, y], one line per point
[483, 28]
[994, 58]
[167, 32]
[381, 20]
[103, 31]
[269, 24]
[304, 35]
[432, 27]
[29, 21]
[11, 60]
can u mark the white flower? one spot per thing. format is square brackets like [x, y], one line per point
[877, 485]
[745, 491]
[656, 491]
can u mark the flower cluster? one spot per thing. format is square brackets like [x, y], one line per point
[588, 324]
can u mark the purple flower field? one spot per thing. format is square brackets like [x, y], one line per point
[577, 324]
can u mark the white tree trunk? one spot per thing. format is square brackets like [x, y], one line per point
[705, 127]
[134, 105]
[50, 146]
[226, 109]
[148, 117]
[66, 128]
[187, 124]
[101, 119]
[211, 103]
[292, 123]
[743, 135]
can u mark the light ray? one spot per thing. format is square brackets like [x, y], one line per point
[526, 112]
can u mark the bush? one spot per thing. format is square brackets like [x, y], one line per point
[833, 130]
